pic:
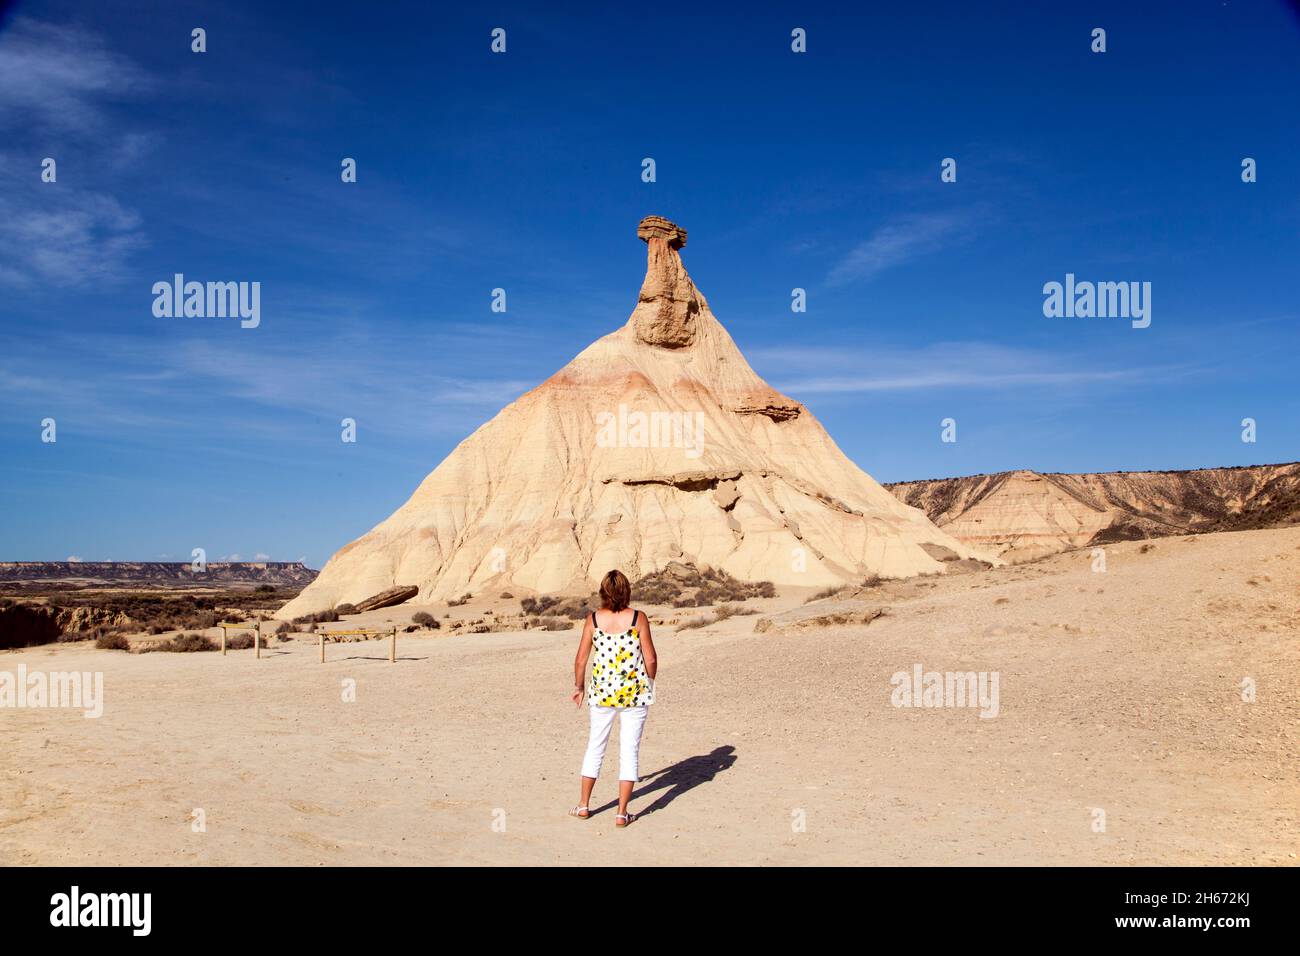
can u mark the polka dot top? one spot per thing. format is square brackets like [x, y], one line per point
[618, 674]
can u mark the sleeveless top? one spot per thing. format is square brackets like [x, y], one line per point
[618, 674]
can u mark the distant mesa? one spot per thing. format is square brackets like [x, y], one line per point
[1023, 515]
[729, 474]
[282, 573]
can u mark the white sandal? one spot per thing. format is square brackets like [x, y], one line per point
[625, 817]
[582, 813]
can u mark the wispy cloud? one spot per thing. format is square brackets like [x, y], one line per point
[58, 85]
[898, 242]
[956, 365]
[61, 77]
[257, 389]
[63, 236]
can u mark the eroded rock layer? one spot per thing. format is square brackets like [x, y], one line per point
[1022, 515]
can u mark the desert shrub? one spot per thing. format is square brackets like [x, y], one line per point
[239, 642]
[575, 609]
[320, 617]
[190, 643]
[347, 609]
[112, 641]
[824, 594]
[554, 624]
[685, 585]
[506, 596]
[264, 589]
[538, 605]
[724, 611]
[720, 613]
[284, 628]
[425, 619]
[187, 644]
[457, 602]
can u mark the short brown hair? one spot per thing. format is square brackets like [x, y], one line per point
[615, 591]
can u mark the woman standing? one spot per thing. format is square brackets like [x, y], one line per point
[622, 684]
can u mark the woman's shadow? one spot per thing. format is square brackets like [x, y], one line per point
[679, 778]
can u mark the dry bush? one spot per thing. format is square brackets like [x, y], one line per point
[112, 641]
[186, 644]
[724, 611]
[553, 624]
[347, 609]
[575, 609]
[826, 593]
[720, 613]
[320, 617]
[457, 602]
[684, 585]
[425, 619]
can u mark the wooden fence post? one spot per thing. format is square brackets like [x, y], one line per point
[322, 647]
[392, 649]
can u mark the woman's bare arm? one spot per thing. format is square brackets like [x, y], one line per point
[648, 647]
[580, 662]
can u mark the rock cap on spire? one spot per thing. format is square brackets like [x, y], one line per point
[657, 227]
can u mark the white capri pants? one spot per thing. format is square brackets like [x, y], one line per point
[631, 722]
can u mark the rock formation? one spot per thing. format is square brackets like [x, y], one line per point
[1022, 515]
[656, 443]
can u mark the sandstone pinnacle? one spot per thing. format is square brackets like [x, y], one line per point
[656, 444]
[668, 305]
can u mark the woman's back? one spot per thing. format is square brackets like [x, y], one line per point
[614, 622]
[618, 672]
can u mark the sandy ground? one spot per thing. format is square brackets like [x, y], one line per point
[1118, 691]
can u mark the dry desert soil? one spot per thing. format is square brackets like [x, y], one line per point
[1119, 692]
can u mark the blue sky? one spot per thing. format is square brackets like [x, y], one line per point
[523, 171]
